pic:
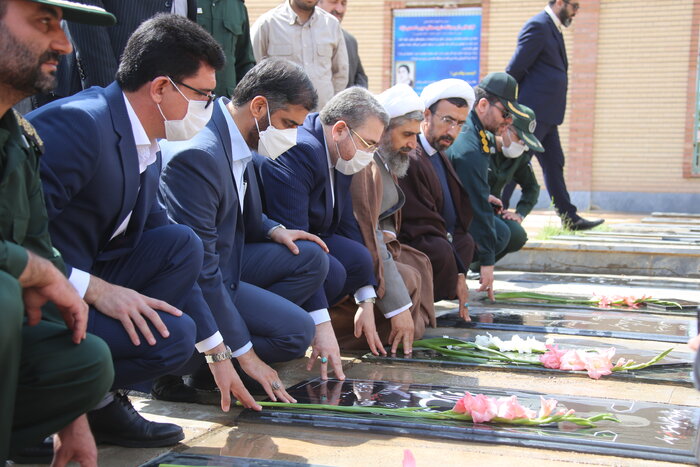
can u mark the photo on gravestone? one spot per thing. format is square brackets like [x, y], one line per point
[674, 368]
[620, 324]
[644, 430]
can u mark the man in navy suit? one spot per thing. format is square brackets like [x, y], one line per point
[308, 188]
[100, 178]
[540, 66]
[250, 261]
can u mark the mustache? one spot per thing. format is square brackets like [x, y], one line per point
[49, 56]
[446, 138]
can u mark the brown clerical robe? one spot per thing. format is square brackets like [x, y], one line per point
[369, 188]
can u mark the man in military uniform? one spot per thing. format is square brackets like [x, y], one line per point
[471, 154]
[41, 314]
[511, 162]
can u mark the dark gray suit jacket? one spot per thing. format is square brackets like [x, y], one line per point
[356, 73]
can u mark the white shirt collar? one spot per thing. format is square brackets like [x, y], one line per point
[145, 148]
[428, 148]
[239, 148]
[555, 18]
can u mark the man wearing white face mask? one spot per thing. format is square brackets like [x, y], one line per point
[133, 267]
[511, 162]
[307, 188]
[255, 270]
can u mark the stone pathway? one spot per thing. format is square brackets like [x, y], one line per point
[210, 431]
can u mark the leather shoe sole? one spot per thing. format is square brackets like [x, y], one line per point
[582, 224]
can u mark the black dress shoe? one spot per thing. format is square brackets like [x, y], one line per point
[581, 223]
[42, 453]
[172, 388]
[119, 423]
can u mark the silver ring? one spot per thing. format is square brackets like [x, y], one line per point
[324, 360]
[276, 386]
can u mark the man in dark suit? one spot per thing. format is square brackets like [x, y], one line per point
[308, 188]
[356, 72]
[209, 184]
[100, 177]
[437, 212]
[540, 66]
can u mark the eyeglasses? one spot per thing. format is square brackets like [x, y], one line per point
[368, 147]
[451, 122]
[575, 5]
[505, 113]
[209, 95]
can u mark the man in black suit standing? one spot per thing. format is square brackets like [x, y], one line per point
[540, 66]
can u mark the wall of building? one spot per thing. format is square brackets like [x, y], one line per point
[633, 63]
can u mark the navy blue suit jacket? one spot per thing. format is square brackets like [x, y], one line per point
[198, 189]
[298, 188]
[539, 64]
[91, 181]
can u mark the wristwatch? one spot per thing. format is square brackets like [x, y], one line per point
[367, 300]
[219, 357]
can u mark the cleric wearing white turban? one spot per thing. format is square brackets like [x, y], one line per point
[447, 89]
[400, 100]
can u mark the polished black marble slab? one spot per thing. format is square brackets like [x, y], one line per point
[675, 373]
[687, 308]
[653, 431]
[184, 459]
[609, 323]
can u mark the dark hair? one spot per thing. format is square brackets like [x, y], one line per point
[167, 45]
[482, 93]
[278, 80]
[457, 101]
[3, 8]
[404, 66]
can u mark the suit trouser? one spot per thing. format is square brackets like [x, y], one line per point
[298, 278]
[510, 237]
[350, 267]
[552, 163]
[164, 265]
[46, 381]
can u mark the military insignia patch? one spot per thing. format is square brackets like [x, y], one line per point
[531, 127]
[484, 142]
[30, 133]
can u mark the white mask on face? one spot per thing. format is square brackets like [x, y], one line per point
[514, 150]
[359, 161]
[195, 119]
[274, 142]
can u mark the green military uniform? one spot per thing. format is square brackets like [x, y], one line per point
[227, 21]
[503, 170]
[46, 381]
[473, 155]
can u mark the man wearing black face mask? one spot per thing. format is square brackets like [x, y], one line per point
[250, 284]
[540, 66]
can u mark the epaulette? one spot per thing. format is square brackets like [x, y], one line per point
[30, 133]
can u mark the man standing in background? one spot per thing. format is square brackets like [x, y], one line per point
[298, 31]
[540, 66]
[356, 73]
[227, 21]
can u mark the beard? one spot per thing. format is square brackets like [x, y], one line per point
[252, 138]
[565, 18]
[397, 161]
[303, 6]
[20, 67]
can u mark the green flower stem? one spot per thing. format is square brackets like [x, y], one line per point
[491, 354]
[639, 366]
[419, 412]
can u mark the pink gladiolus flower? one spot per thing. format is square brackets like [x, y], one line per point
[573, 360]
[630, 302]
[408, 459]
[464, 404]
[603, 301]
[510, 408]
[552, 357]
[598, 364]
[547, 406]
[483, 408]
[621, 362]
